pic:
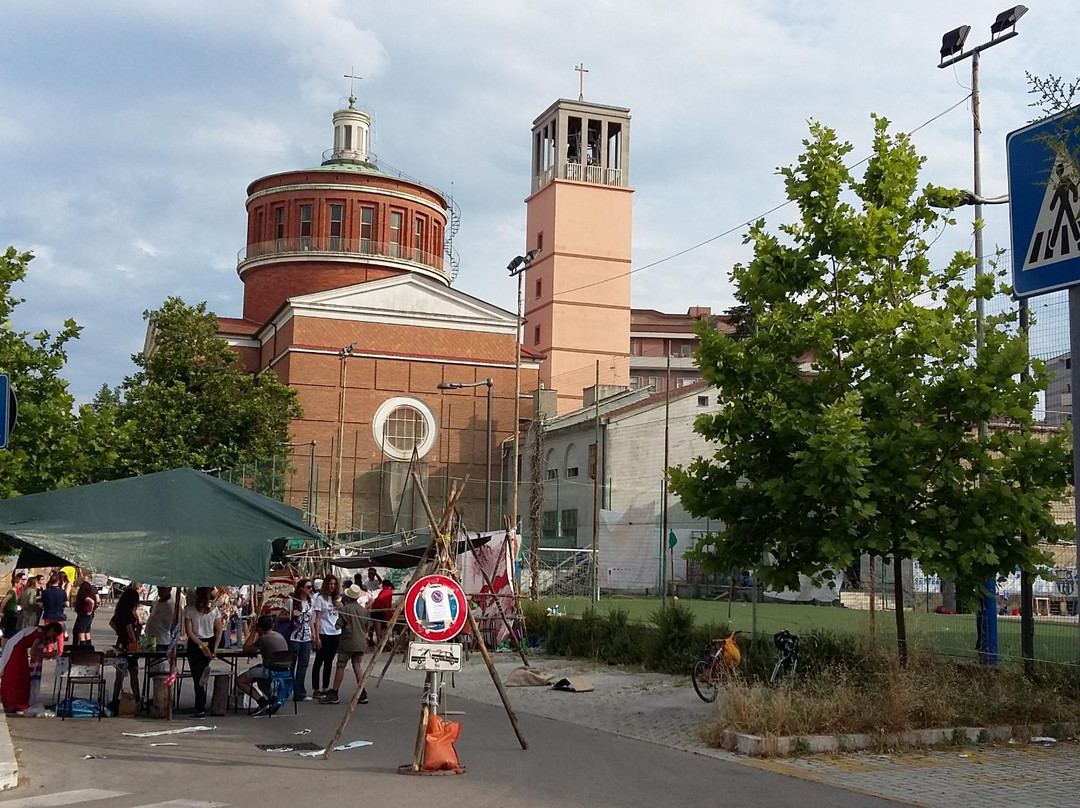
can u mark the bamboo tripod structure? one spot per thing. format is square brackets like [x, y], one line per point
[438, 549]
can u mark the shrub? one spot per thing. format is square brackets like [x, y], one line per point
[536, 622]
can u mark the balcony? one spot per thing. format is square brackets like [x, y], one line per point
[315, 246]
[594, 175]
[660, 363]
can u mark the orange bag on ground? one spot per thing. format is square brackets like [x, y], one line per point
[439, 752]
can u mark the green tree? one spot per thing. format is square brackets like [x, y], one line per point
[850, 415]
[53, 445]
[191, 402]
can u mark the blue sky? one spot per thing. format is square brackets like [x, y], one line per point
[130, 130]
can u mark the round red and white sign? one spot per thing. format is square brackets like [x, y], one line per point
[435, 608]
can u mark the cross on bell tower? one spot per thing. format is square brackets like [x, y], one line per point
[581, 70]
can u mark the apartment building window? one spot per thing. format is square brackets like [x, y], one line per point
[703, 401]
[681, 382]
[305, 227]
[572, 471]
[654, 382]
[337, 214]
[536, 335]
[549, 524]
[568, 526]
[348, 138]
[540, 241]
[539, 288]
[635, 348]
[635, 382]
[418, 239]
[395, 233]
[436, 239]
[686, 349]
[592, 461]
[367, 229]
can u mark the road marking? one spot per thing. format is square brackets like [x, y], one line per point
[63, 798]
[185, 804]
[1056, 236]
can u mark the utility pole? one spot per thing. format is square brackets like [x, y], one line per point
[596, 489]
[667, 434]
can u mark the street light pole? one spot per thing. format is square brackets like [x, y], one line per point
[487, 478]
[952, 51]
[517, 267]
[343, 356]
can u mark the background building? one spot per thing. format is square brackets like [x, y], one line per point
[626, 475]
[655, 335]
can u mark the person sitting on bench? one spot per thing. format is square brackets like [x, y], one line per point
[266, 641]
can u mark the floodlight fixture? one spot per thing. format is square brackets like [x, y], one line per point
[521, 262]
[953, 42]
[1007, 19]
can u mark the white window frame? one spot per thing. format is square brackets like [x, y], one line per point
[378, 424]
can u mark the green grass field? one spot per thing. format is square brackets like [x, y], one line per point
[953, 635]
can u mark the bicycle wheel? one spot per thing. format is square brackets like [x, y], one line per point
[706, 681]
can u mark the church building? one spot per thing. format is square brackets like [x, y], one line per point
[348, 298]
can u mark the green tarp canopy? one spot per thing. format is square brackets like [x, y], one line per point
[172, 528]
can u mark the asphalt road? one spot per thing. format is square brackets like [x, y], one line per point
[566, 765]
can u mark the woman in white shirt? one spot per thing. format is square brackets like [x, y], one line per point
[300, 639]
[327, 635]
[203, 625]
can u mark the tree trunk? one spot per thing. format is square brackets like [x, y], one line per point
[898, 597]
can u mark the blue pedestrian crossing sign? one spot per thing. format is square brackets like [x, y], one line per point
[1044, 204]
[8, 409]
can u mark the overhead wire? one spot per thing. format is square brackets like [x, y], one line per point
[747, 223]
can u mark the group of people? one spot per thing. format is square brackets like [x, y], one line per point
[321, 626]
[37, 600]
[34, 628]
[323, 621]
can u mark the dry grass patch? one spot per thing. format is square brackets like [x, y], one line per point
[879, 697]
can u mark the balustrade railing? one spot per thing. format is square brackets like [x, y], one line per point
[340, 246]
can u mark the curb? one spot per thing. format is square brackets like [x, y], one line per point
[9, 766]
[785, 746]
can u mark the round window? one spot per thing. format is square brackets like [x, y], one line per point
[404, 425]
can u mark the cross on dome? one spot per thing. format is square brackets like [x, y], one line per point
[353, 78]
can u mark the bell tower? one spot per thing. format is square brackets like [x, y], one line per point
[579, 214]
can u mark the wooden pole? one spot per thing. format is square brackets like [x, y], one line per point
[421, 731]
[448, 559]
[363, 679]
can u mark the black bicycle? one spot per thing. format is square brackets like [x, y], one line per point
[787, 665]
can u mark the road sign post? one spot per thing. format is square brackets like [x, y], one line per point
[1044, 214]
[8, 409]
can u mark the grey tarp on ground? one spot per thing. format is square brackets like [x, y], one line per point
[179, 528]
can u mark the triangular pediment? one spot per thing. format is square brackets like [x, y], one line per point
[405, 299]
